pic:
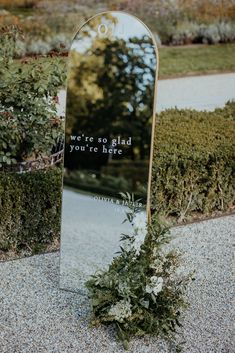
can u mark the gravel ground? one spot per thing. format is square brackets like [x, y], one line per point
[38, 317]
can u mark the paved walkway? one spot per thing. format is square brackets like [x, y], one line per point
[37, 317]
[199, 92]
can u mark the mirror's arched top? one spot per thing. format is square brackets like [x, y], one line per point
[112, 25]
[111, 92]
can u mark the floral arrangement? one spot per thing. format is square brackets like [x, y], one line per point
[140, 292]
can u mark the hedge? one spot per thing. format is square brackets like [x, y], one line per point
[30, 208]
[194, 164]
[193, 172]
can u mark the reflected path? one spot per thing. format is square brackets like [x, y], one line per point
[88, 246]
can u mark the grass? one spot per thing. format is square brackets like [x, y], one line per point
[187, 61]
[196, 60]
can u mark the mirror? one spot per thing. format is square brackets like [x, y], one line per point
[110, 113]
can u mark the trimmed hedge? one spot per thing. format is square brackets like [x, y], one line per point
[194, 164]
[193, 172]
[30, 208]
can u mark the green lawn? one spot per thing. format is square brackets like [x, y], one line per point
[188, 60]
[204, 59]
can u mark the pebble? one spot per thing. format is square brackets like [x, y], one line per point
[37, 317]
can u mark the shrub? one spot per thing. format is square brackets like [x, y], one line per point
[226, 32]
[34, 28]
[38, 47]
[29, 202]
[30, 208]
[189, 32]
[219, 32]
[18, 3]
[193, 165]
[185, 33]
[209, 34]
[30, 127]
[60, 42]
[20, 49]
[140, 292]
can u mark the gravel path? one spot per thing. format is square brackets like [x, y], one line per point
[38, 317]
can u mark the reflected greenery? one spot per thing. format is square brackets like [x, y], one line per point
[110, 95]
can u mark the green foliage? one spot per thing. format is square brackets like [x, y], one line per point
[184, 61]
[28, 117]
[9, 34]
[106, 184]
[119, 69]
[140, 292]
[30, 208]
[18, 3]
[117, 175]
[194, 169]
[189, 32]
[29, 202]
[173, 21]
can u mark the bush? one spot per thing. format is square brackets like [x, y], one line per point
[60, 43]
[185, 33]
[209, 34]
[18, 3]
[30, 208]
[193, 165]
[38, 47]
[189, 32]
[140, 292]
[30, 127]
[226, 32]
[36, 36]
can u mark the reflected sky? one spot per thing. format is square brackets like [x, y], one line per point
[116, 26]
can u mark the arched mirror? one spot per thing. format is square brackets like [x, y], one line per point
[110, 113]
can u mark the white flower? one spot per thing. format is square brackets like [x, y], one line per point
[121, 310]
[155, 285]
[123, 288]
[140, 222]
[137, 239]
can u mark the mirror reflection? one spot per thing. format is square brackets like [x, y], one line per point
[109, 116]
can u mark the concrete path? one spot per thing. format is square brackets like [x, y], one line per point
[199, 92]
[37, 317]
